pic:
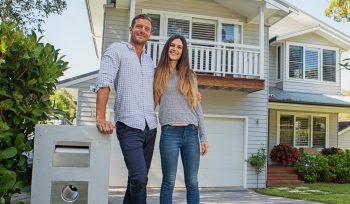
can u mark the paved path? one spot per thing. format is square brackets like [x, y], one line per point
[210, 196]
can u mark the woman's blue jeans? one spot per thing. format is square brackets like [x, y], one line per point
[183, 139]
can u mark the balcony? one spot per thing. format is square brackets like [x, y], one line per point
[220, 65]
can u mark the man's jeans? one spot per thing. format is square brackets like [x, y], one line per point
[137, 147]
[183, 139]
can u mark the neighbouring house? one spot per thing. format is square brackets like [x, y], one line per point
[268, 73]
[344, 135]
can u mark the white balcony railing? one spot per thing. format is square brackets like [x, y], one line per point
[218, 59]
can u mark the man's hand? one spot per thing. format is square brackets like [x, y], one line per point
[199, 97]
[105, 127]
[204, 147]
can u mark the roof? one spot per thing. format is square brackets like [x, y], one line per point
[337, 38]
[278, 95]
[77, 79]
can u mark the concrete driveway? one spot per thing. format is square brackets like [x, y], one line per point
[208, 195]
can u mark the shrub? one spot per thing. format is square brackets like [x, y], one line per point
[330, 151]
[339, 165]
[313, 167]
[28, 73]
[284, 154]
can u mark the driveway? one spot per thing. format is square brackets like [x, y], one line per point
[208, 196]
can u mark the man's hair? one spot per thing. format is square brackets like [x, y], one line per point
[140, 16]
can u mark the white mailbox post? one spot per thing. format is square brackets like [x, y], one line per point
[71, 165]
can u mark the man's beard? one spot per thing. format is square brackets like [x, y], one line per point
[136, 41]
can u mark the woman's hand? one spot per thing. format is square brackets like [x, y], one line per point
[204, 147]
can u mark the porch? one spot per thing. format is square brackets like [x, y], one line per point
[220, 65]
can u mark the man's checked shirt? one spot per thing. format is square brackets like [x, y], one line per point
[122, 71]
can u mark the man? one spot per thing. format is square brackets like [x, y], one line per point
[126, 68]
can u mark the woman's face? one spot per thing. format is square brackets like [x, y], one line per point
[175, 50]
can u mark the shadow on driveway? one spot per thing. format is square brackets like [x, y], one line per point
[208, 196]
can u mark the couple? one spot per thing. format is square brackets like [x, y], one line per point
[139, 88]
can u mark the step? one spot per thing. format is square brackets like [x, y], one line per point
[282, 176]
[281, 170]
[272, 183]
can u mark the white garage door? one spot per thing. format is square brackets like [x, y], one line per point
[222, 166]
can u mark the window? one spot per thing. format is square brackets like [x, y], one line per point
[166, 24]
[311, 63]
[302, 130]
[203, 30]
[329, 65]
[296, 61]
[178, 26]
[279, 62]
[305, 63]
[155, 24]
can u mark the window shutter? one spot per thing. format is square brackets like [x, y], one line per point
[329, 65]
[302, 131]
[296, 61]
[286, 129]
[203, 30]
[178, 26]
[311, 63]
[319, 132]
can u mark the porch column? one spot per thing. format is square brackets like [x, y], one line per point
[132, 10]
[262, 39]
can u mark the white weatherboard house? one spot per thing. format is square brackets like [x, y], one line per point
[268, 73]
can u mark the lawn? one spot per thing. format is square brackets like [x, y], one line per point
[320, 192]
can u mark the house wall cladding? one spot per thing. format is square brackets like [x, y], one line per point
[218, 102]
[333, 127]
[344, 140]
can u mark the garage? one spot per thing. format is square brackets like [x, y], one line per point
[223, 166]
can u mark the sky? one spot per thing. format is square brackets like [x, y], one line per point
[70, 32]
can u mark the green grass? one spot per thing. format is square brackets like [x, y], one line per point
[320, 192]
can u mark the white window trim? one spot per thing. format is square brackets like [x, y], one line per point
[295, 114]
[313, 81]
[164, 15]
[281, 62]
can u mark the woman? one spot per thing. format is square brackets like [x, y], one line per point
[181, 118]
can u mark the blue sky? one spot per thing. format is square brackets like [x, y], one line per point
[71, 33]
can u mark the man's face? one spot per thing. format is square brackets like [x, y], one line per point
[141, 31]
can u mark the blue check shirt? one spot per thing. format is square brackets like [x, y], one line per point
[122, 71]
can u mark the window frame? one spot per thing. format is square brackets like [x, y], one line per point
[279, 62]
[164, 15]
[320, 70]
[303, 114]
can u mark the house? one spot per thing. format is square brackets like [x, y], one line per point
[344, 135]
[261, 85]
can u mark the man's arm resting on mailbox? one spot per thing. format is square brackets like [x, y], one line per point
[104, 126]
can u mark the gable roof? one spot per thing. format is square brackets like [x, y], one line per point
[296, 24]
[77, 79]
[331, 35]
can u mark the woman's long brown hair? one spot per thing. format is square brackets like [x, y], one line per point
[186, 83]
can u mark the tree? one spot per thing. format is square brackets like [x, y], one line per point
[63, 103]
[29, 70]
[258, 161]
[339, 10]
[30, 14]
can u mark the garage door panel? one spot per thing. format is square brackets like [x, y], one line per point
[215, 178]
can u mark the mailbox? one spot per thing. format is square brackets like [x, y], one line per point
[71, 165]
